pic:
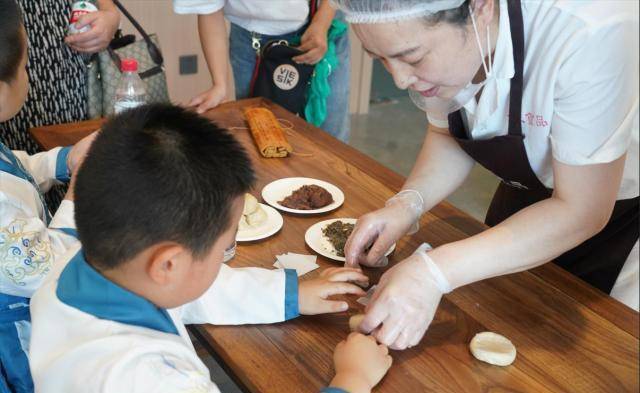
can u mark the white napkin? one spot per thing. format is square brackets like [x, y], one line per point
[303, 264]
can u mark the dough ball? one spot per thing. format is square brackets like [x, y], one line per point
[250, 204]
[493, 348]
[355, 321]
[243, 225]
[258, 217]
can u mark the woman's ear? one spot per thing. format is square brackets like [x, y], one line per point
[167, 263]
[483, 10]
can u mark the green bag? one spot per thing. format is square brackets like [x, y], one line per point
[104, 69]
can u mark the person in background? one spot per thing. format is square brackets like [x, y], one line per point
[56, 68]
[281, 20]
[31, 240]
[151, 261]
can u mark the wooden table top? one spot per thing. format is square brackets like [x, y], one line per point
[570, 337]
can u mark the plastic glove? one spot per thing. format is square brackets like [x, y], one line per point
[405, 301]
[375, 232]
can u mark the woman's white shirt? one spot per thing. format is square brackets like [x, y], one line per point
[269, 17]
[580, 98]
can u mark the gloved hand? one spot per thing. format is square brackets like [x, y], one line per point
[405, 301]
[375, 232]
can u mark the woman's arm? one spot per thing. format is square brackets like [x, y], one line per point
[441, 167]
[215, 46]
[580, 207]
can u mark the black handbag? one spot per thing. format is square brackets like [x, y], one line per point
[277, 77]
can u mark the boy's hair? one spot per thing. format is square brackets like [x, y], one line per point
[12, 41]
[157, 173]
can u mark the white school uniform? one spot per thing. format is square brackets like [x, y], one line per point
[268, 17]
[91, 335]
[580, 95]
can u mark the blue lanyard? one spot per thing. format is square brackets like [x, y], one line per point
[15, 168]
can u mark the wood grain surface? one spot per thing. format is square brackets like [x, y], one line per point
[570, 337]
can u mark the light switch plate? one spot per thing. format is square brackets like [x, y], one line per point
[188, 64]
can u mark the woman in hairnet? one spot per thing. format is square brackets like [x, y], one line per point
[541, 93]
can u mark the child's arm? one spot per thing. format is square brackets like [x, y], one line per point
[215, 46]
[360, 364]
[28, 247]
[256, 295]
[56, 165]
[314, 40]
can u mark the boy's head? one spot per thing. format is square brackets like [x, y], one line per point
[14, 82]
[158, 200]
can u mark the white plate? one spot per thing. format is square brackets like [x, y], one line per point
[320, 244]
[272, 225]
[277, 190]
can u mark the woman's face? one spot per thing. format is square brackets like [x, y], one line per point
[435, 60]
[14, 93]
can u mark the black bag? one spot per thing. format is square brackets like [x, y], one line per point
[280, 79]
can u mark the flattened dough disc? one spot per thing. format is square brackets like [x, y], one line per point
[493, 348]
[355, 321]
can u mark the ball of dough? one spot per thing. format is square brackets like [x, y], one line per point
[256, 218]
[250, 204]
[493, 348]
[355, 321]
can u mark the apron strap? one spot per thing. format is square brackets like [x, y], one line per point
[516, 24]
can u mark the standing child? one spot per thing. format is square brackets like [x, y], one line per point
[151, 261]
[31, 240]
[255, 22]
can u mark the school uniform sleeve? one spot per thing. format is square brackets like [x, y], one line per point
[47, 168]
[246, 296]
[197, 6]
[29, 248]
[596, 96]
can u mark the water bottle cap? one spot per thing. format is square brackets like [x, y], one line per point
[129, 65]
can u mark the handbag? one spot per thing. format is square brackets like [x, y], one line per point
[277, 77]
[104, 69]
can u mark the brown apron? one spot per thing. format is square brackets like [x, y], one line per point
[598, 260]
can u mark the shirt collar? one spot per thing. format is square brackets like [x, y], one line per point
[82, 287]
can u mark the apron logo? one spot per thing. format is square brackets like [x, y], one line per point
[286, 77]
[534, 120]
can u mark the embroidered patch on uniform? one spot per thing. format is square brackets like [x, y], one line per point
[286, 77]
[23, 253]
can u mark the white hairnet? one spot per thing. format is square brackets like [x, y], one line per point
[383, 11]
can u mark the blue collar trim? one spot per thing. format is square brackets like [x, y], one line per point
[82, 287]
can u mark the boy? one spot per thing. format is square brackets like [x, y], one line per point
[30, 239]
[159, 199]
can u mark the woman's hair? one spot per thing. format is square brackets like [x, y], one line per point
[12, 42]
[457, 16]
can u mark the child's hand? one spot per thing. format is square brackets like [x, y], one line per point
[79, 152]
[209, 99]
[313, 294]
[313, 43]
[360, 363]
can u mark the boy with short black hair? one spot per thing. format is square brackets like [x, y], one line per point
[159, 199]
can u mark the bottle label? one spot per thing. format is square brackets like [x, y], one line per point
[78, 9]
[121, 106]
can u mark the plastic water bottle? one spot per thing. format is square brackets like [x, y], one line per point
[131, 91]
[80, 8]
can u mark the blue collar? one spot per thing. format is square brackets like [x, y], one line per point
[82, 287]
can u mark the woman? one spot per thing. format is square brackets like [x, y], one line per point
[57, 71]
[543, 94]
[253, 25]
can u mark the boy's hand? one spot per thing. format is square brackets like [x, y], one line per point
[360, 363]
[79, 152]
[209, 99]
[313, 294]
[313, 43]
[103, 25]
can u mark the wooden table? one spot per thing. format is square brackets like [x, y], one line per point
[570, 337]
